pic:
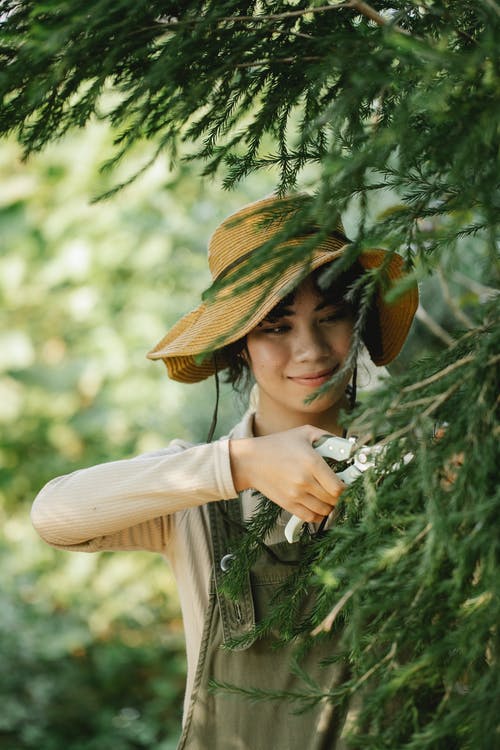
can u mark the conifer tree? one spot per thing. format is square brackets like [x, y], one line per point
[401, 95]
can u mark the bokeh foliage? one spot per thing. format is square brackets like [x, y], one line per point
[91, 646]
[91, 650]
[86, 290]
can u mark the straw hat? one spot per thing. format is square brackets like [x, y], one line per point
[231, 311]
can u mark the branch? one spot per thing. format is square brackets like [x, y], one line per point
[388, 657]
[436, 403]
[423, 316]
[398, 407]
[493, 5]
[484, 292]
[438, 375]
[363, 8]
[327, 624]
[372, 14]
[268, 60]
[458, 313]
[287, 14]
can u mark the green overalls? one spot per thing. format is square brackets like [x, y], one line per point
[217, 720]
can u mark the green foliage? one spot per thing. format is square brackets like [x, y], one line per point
[388, 112]
[409, 571]
[85, 291]
[91, 647]
[403, 94]
[87, 660]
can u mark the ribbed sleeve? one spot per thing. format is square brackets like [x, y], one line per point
[122, 504]
[155, 502]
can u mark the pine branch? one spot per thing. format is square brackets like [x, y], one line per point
[433, 326]
[306, 699]
[362, 8]
[450, 301]
[279, 61]
[484, 292]
[439, 375]
[493, 5]
[373, 15]
[328, 622]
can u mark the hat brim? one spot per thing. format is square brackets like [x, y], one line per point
[232, 312]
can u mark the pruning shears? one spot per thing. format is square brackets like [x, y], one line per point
[360, 458]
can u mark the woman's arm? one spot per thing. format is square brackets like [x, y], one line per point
[132, 494]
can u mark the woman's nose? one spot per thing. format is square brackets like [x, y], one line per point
[310, 344]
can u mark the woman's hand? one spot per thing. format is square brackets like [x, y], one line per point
[285, 468]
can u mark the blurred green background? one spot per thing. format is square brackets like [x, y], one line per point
[91, 647]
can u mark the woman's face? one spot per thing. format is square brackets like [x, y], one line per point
[294, 351]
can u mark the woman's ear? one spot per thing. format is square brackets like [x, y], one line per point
[245, 356]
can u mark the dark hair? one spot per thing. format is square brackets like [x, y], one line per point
[237, 372]
[340, 287]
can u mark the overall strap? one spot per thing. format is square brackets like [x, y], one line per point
[237, 616]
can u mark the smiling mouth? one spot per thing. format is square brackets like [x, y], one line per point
[315, 379]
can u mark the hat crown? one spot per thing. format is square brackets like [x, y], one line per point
[239, 234]
[249, 228]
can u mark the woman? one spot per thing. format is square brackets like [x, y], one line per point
[188, 502]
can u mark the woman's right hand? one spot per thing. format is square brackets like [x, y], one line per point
[285, 468]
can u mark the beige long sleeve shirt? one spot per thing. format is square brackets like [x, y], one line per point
[155, 502]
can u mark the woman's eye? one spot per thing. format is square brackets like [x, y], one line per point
[333, 317]
[275, 329]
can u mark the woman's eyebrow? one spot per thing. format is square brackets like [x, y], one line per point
[326, 303]
[278, 312]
